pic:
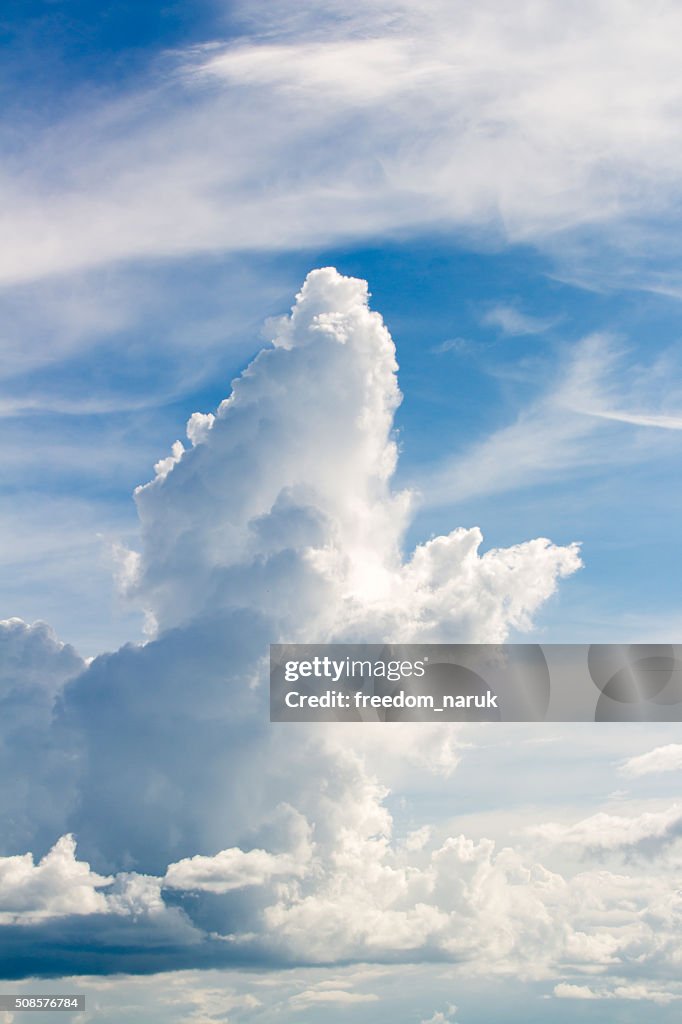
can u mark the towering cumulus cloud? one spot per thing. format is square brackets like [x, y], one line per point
[277, 523]
[284, 503]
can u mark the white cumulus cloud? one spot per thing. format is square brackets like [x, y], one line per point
[221, 834]
[442, 1016]
[284, 502]
[615, 831]
[661, 759]
[59, 884]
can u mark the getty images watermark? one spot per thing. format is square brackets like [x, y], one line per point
[363, 670]
[475, 682]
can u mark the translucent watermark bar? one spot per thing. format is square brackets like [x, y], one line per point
[476, 682]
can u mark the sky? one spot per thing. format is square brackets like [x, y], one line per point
[329, 323]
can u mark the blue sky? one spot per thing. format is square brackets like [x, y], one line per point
[508, 188]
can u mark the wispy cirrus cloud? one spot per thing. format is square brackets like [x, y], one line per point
[662, 422]
[479, 119]
[515, 323]
[577, 422]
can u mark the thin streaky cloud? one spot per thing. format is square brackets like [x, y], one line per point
[508, 139]
[451, 345]
[626, 990]
[516, 324]
[568, 428]
[662, 422]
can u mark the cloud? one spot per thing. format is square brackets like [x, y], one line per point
[477, 119]
[236, 869]
[641, 419]
[302, 493]
[650, 829]
[62, 332]
[451, 345]
[513, 322]
[62, 886]
[661, 759]
[228, 840]
[209, 837]
[565, 990]
[34, 661]
[360, 897]
[278, 522]
[207, 997]
[442, 1016]
[34, 667]
[58, 885]
[338, 997]
[625, 393]
[636, 991]
[575, 424]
